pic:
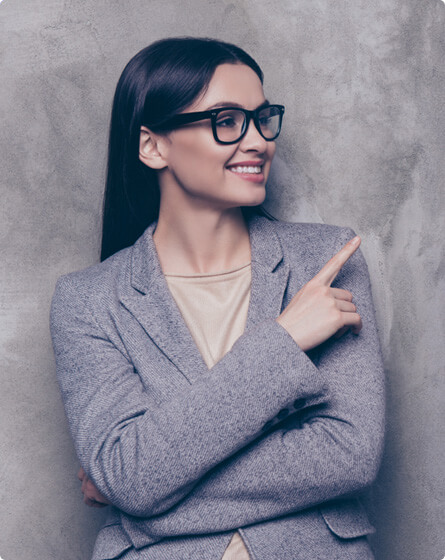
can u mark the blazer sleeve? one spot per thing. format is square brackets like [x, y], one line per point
[316, 455]
[143, 457]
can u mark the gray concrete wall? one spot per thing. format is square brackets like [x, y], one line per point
[363, 145]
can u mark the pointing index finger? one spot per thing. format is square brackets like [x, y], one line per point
[330, 270]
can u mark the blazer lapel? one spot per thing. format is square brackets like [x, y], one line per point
[269, 272]
[149, 300]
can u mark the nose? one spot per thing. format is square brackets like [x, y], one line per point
[252, 140]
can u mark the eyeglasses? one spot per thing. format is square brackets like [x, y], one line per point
[230, 124]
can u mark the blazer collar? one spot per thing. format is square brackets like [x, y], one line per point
[150, 301]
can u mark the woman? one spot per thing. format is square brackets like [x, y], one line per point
[218, 391]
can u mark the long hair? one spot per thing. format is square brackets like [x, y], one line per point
[159, 82]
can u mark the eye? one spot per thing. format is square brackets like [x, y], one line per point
[226, 121]
[230, 119]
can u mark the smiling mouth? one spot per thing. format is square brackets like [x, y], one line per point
[251, 169]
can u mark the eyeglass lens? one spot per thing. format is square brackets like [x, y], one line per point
[231, 124]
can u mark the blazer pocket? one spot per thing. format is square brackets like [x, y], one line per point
[111, 542]
[347, 519]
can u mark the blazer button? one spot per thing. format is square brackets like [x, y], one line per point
[267, 425]
[299, 403]
[283, 413]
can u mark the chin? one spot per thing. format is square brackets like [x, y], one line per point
[256, 200]
[252, 204]
[247, 198]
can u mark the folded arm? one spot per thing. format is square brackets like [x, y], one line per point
[318, 454]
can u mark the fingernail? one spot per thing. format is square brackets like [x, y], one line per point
[356, 240]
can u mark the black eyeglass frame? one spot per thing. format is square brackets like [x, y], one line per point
[188, 118]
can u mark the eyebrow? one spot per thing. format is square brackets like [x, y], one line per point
[233, 104]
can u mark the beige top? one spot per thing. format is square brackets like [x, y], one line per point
[214, 307]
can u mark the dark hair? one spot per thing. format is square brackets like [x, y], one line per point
[159, 82]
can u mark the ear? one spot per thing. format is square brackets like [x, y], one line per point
[151, 149]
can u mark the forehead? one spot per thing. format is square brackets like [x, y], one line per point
[232, 83]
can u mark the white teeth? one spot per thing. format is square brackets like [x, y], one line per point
[246, 169]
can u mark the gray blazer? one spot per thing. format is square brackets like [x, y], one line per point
[271, 441]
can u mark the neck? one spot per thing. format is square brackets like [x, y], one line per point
[201, 240]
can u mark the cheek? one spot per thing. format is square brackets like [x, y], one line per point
[199, 167]
[196, 158]
[202, 151]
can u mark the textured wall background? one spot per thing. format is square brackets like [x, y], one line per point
[363, 145]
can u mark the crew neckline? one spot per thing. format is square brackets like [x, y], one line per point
[208, 274]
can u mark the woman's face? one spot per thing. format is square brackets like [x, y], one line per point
[214, 174]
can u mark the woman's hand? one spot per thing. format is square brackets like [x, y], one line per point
[91, 495]
[318, 311]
